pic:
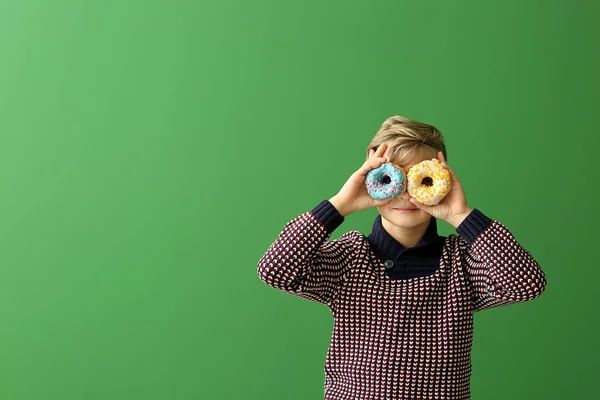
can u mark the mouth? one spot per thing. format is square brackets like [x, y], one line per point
[406, 209]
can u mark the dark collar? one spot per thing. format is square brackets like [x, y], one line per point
[386, 247]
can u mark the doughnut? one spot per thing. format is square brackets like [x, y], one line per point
[387, 180]
[429, 182]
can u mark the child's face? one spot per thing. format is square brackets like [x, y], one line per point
[402, 218]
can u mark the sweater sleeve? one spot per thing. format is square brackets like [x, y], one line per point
[501, 271]
[301, 260]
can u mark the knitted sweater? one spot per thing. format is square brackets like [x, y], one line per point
[403, 317]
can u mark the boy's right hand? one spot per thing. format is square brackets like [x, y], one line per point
[354, 195]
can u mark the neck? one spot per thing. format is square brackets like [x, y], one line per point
[406, 236]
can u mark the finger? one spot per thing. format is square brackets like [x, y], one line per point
[445, 165]
[375, 152]
[441, 157]
[371, 164]
[420, 205]
[455, 181]
[383, 202]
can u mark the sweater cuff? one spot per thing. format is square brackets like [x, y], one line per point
[473, 225]
[328, 215]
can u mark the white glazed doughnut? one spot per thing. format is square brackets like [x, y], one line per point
[429, 182]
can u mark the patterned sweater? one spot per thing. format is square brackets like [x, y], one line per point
[403, 317]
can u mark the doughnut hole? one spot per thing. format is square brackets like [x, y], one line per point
[427, 181]
[386, 179]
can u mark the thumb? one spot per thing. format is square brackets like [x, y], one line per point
[383, 202]
[421, 206]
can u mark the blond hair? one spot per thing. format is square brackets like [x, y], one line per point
[406, 139]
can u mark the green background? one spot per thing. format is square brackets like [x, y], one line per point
[151, 151]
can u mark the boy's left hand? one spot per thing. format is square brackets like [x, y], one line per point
[453, 208]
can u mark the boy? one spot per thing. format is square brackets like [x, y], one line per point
[402, 298]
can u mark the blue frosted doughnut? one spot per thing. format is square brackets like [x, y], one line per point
[387, 180]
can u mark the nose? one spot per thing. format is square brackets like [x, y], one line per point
[405, 195]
